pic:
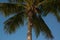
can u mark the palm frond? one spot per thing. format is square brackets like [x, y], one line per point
[13, 23]
[16, 1]
[40, 26]
[36, 2]
[51, 6]
[45, 29]
[8, 8]
[36, 25]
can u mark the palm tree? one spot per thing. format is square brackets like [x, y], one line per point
[32, 10]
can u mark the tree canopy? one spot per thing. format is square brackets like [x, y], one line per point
[37, 8]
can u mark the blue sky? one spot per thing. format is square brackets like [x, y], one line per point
[21, 33]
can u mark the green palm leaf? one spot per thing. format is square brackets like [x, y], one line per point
[13, 23]
[50, 6]
[40, 26]
[9, 9]
[36, 25]
[45, 29]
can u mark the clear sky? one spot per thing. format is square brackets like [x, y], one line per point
[21, 33]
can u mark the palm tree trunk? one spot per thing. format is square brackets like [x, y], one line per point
[29, 34]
